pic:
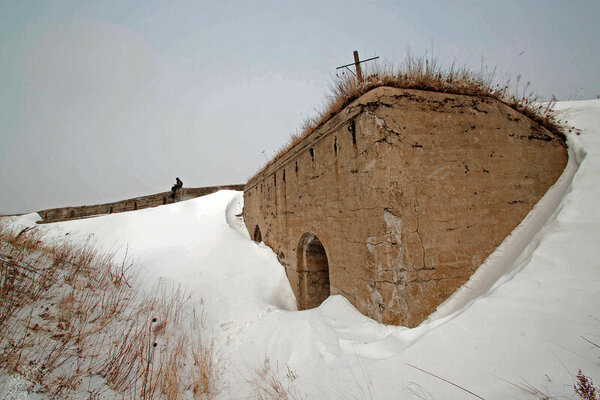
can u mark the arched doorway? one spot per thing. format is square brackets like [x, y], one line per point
[313, 272]
[257, 234]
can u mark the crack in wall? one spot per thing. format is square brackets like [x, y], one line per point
[416, 215]
[380, 123]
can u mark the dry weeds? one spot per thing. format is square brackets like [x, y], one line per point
[206, 373]
[422, 73]
[73, 320]
[267, 385]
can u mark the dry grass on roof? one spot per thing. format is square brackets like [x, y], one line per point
[422, 73]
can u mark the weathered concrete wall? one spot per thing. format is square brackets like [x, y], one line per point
[136, 203]
[407, 191]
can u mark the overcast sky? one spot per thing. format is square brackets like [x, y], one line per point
[101, 101]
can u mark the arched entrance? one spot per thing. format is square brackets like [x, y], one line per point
[257, 237]
[313, 272]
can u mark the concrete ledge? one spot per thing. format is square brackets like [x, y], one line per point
[136, 203]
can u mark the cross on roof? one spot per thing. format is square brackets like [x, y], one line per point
[356, 64]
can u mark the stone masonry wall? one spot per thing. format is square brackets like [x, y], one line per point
[408, 192]
[136, 203]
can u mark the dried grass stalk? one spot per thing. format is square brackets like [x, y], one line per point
[422, 73]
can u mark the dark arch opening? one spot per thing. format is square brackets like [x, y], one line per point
[313, 272]
[257, 234]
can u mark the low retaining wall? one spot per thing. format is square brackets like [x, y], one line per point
[136, 203]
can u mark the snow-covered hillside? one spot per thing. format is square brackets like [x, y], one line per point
[516, 327]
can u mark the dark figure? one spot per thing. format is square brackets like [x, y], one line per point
[178, 185]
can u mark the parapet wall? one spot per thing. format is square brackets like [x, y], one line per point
[136, 203]
[397, 200]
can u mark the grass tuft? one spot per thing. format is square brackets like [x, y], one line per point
[422, 73]
[267, 385]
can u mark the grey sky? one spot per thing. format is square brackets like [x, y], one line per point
[102, 101]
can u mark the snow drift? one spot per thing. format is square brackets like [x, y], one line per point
[518, 324]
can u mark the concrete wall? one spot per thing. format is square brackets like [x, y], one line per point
[136, 203]
[408, 192]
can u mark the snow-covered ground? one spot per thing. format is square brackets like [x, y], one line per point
[518, 324]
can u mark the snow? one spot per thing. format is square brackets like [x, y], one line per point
[516, 325]
[191, 244]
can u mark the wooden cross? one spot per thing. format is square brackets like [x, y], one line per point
[357, 63]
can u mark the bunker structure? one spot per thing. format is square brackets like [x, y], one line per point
[395, 201]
